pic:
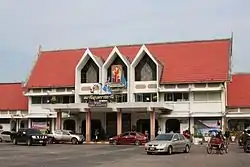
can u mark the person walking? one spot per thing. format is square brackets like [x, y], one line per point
[96, 135]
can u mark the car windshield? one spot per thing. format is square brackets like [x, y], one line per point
[34, 131]
[141, 134]
[167, 137]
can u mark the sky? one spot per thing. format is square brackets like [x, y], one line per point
[64, 24]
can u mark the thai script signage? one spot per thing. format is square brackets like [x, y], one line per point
[97, 104]
[98, 97]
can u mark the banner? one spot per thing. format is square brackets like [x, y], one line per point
[42, 126]
[116, 73]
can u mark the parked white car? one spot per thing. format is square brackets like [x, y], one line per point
[5, 136]
[65, 136]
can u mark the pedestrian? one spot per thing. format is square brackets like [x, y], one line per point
[227, 135]
[147, 135]
[159, 131]
[96, 135]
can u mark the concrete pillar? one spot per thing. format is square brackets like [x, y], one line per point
[192, 125]
[29, 123]
[224, 123]
[59, 120]
[152, 124]
[17, 124]
[88, 125]
[119, 122]
[52, 125]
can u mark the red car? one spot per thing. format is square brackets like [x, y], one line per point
[136, 138]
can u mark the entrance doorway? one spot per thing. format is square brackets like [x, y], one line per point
[95, 124]
[24, 124]
[143, 125]
[69, 124]
[172, 125]
[13, 126]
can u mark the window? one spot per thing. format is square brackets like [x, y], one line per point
[207, 96]
[146, 73]
[65, 133]
[90, 72]
[36, 90]
[146, 97]
[124, 134]
[181, 137]
[178, 96]
[167, 137]
[58, 132]
[214, 96]
[120, 98]
[133, 134]
[91, 75]
[46, 99]
[138, 97]
[47, 90]
[200, 96]
[145, 69]
[176, 137]
[36, 100]
[6, 133]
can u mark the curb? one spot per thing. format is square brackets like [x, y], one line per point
[105, 143]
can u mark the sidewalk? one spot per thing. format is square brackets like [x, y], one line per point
[99, 142]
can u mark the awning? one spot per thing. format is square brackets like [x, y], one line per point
[200, 114]
[42, 115]
[114, 106]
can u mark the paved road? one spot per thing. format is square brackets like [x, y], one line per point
[67, 155]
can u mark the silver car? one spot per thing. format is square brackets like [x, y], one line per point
[65, 136]
[168, 143]
[5, 136]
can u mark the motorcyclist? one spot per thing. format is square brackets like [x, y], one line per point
[246, 137]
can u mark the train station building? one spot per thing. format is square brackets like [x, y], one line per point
[172, 86]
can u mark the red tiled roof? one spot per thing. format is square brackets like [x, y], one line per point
[201, 61]
[55, 69]
[239, 91]
[194, 61]
[12, 97]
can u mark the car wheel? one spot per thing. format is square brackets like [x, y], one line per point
[1, 140]
[137, 143]
[51, 140]
[115, 142]
[187, 149]
[74, 141]
[44, 144]
[29, 143]
[170, 150]
[15, 141]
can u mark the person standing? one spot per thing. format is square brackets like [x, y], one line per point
[159, 131]
[96, 135]
[227, 135]
[147, 135]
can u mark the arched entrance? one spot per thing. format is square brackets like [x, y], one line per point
[69, 124]
[172, 125]
[143, 125]
[95, 124]
[13, 125]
